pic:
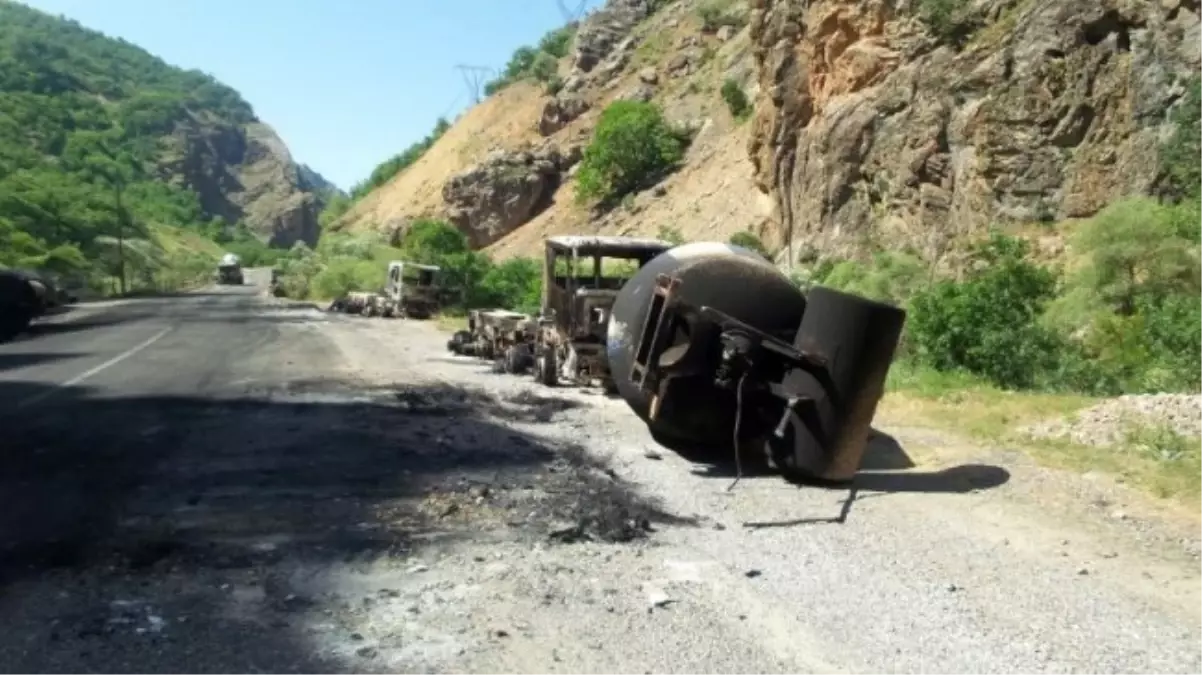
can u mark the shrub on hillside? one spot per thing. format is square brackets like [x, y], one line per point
[1181, 155]
[391, 167]
[540, 63]
[718, 13]
[748, 240]
[736, 100]
[670, 234]
[951, 21]
[632, 146]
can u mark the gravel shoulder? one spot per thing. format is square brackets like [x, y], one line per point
[291, 490]
[977, 561]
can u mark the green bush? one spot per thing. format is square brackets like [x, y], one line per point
[632, 145]
[736, 100]
[892, 277]
[1181, 155]
[945, 18]
[718, 13]
[749, 240]
[988, 324]
[539, 63]
[670, 234]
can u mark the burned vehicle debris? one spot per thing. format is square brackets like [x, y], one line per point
[711, 345]
[412, 290]
[582, 276]
[498, 334]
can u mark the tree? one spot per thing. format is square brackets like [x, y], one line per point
[1134, 249]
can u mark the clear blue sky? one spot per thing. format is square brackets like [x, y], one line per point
[348, 83]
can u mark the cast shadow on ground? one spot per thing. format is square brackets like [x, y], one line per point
[12, 361]
[886, 468]
[169, 499]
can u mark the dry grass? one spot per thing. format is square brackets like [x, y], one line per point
[450, 321]
[1162, 465]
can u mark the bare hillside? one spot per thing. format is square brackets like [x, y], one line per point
[871, 121]
[663, 56]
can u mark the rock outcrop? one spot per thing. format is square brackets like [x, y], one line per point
[559, 112]
[869, 125]
[599, 34]
[245, 173]
[505, 191]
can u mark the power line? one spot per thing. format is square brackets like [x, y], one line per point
[473, 77]
[570, 15]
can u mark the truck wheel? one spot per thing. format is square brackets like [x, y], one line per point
[458, 340]
[515, 360]
[12, 323]
[546, 367]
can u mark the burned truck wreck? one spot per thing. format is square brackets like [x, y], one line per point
[712, 346]
[582, 278]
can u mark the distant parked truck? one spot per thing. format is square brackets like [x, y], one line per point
[412, 290]
[229, 270]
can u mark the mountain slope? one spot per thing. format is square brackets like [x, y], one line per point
[88, 122]
[874, 126]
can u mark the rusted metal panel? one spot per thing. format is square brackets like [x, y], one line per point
[593, 244]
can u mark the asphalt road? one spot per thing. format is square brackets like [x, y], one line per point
[132, 437]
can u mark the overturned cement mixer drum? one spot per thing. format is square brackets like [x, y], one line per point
[712, 346]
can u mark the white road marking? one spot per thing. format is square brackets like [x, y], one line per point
[89, 373]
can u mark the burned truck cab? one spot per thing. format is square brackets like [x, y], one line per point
[582, 276]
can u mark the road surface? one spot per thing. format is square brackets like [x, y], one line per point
[221, 482]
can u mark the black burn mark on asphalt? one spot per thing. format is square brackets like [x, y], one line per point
[147, 483]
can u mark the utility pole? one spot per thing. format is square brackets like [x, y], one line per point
[571, 16]
[473, 77]
[118, 185]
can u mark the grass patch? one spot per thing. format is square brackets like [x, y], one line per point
[451, 320]
[968, 404]
[1153, 459]
[1004, 25]
[652, 48]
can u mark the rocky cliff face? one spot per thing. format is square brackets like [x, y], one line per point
[245, 173]
[869, 126]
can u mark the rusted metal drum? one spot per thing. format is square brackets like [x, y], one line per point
[728, 278]
[856, 339]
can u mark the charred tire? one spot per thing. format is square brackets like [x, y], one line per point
[458, 340]
[515, 360]
[546, 368]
